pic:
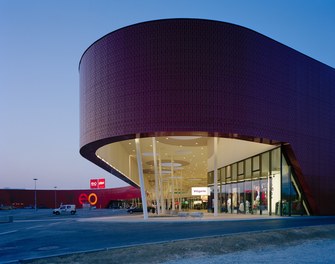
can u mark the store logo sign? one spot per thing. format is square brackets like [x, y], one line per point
[200, 191]
[101, 183]
[92, 198]
[94, 183]
[97, 183]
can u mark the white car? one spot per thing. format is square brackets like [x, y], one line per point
[65, 209]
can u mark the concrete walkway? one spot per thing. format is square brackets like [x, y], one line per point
[182, 218]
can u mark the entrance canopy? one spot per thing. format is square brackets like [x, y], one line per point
[184, 159]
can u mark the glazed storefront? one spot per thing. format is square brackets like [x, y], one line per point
[261, 184]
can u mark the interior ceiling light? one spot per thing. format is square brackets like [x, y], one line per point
[185, 137]
[185, 141]
[149, 154]
[167, 163]
[183, 152]
[171, 164]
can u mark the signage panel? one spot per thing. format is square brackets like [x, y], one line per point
[200, 191]
[94, 183]
[101, 183]
[97, 183]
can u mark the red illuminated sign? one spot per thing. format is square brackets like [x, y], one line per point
[97, 183]
[94, 183]
[92, 198]
[101, 183]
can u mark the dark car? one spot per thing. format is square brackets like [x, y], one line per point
[140, 210]
[135, 210]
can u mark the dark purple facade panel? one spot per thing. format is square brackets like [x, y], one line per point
[188, 75]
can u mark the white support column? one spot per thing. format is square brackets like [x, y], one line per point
[130, 166]
[215, 177]
[181, 188]
[168, 195]
[173, 186]
[156, 177]
[179, 193]
[140, 173]
[161, 187]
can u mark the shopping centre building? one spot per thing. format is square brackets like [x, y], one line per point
[208, 115]
[111, 198]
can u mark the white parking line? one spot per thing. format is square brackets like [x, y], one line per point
[55, 223]
[8, 232]
[33, 227]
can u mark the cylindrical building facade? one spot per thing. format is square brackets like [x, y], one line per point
[202, 78]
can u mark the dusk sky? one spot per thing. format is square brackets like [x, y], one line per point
[41, 43]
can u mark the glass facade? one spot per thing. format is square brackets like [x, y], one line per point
[262, 184]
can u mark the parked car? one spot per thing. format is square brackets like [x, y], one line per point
[65, 209]
[135, 210]
[139, 210]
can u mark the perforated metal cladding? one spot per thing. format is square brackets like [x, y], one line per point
[188, 75]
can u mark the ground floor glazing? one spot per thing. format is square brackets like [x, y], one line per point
[262, 184]
[251, 177]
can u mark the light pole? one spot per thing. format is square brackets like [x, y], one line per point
[35, 195]
[55, 197]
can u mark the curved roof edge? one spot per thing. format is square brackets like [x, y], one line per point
[200, 19]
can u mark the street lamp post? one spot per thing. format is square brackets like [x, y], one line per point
[55, 197]
[35, 195]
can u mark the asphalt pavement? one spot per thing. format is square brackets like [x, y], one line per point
[36, 234]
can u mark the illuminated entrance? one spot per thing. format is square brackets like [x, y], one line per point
[251, 178]
[261, 184]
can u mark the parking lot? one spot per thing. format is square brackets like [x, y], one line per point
[35, 234]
